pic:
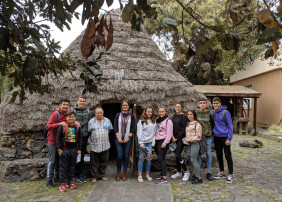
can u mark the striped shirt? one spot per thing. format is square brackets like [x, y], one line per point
[99, 138]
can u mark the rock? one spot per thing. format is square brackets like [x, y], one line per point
[252, 132]
[7, 141]
[253, 145]
[8, 152]
[245, 143]
[13, 178]
[29, 175]
[39, 155]
[260, 144]
[35, 146]
[37, 136]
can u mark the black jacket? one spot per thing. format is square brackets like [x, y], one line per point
[60, 140]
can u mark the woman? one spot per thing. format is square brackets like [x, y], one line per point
[124, 126]
[193, 137]
[145, 132]
[179, 121]
[163, 136]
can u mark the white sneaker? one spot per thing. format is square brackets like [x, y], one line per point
[229, 179]
[186, 176]
[176, 175]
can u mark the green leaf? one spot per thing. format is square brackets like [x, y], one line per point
[59, 11]
[207, 45]
[269, 53]
[4, 38]
[109, 2]
[14, 96]
[268, 35]
[217, 28]
[128, 11]
[170, 21]
[99, 3]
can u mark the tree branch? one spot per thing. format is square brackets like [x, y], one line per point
[191, 14]
[272, 15]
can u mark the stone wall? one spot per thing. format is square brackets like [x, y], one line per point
[23, 157]
[22, 146]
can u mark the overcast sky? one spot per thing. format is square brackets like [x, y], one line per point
[68, 36]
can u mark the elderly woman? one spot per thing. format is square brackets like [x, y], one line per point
[99, 127]
[124, 126]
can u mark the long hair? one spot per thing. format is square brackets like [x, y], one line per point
[145, 118]
[195, 116]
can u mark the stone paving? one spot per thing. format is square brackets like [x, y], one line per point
[257, 176]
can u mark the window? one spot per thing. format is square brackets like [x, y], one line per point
[245, 105]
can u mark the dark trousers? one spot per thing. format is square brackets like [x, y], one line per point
[219, 143]
[98, 163]
[67, 164]
[161, 153]
[179, 161]
[80, 165]
[122, 154]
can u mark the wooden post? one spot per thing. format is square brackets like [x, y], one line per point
[255, 116]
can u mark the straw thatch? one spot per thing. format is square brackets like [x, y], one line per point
[137, 71]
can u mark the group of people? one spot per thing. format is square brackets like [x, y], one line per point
[69, 131]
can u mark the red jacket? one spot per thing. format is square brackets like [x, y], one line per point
[53, 125]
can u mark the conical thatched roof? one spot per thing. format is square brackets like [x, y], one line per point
[137, 71]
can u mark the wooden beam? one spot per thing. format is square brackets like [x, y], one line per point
[255, 116]
[242, 95]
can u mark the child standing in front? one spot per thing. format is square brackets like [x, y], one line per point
[69, 144]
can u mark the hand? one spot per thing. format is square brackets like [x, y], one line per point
[163, 146]
[63, 124]
[77, 124]
[119, 140]
[183, 139]
[227, 143]
[142, 147]
[187, 139]
[60, 152]
[173, 139]
[78, 151]
[126, 140]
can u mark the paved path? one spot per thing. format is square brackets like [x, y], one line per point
[130, 190]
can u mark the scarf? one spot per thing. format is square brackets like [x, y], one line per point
[124, 119]
[160, 119]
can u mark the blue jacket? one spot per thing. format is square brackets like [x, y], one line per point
[222, 128]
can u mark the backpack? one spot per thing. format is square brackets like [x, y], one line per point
[223, 115]
[203, 143]
[45, 132]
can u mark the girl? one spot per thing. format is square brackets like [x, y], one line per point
[124, 126]
[179, 121]
[163, 136]
[145, 132]
[193, 137]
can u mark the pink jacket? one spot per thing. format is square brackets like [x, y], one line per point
[164, 130]
[193, 134]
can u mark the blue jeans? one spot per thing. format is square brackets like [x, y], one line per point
[122, 154]
[142, 155]
[208, 154]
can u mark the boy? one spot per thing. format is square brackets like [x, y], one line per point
[58, 118]
[222, 131]
[69, 143]
[204, 119]
[82, 115]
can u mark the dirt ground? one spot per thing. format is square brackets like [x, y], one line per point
[257, 177]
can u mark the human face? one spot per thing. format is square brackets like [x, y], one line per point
[203, 105]
[99, 114]
[178, 109]
[216, 105]
[162, 112]
[65, 106]
[71, 119]
[81, 103]
[125, 107]
[190, 116]
[149, 112]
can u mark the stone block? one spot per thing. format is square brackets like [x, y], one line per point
[8, 152]
[35, 146]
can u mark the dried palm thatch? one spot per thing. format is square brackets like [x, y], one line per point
[137, 71]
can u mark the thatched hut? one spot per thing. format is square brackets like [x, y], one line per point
[136, 71]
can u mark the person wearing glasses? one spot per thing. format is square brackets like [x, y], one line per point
[124, 127]
[145, 133]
